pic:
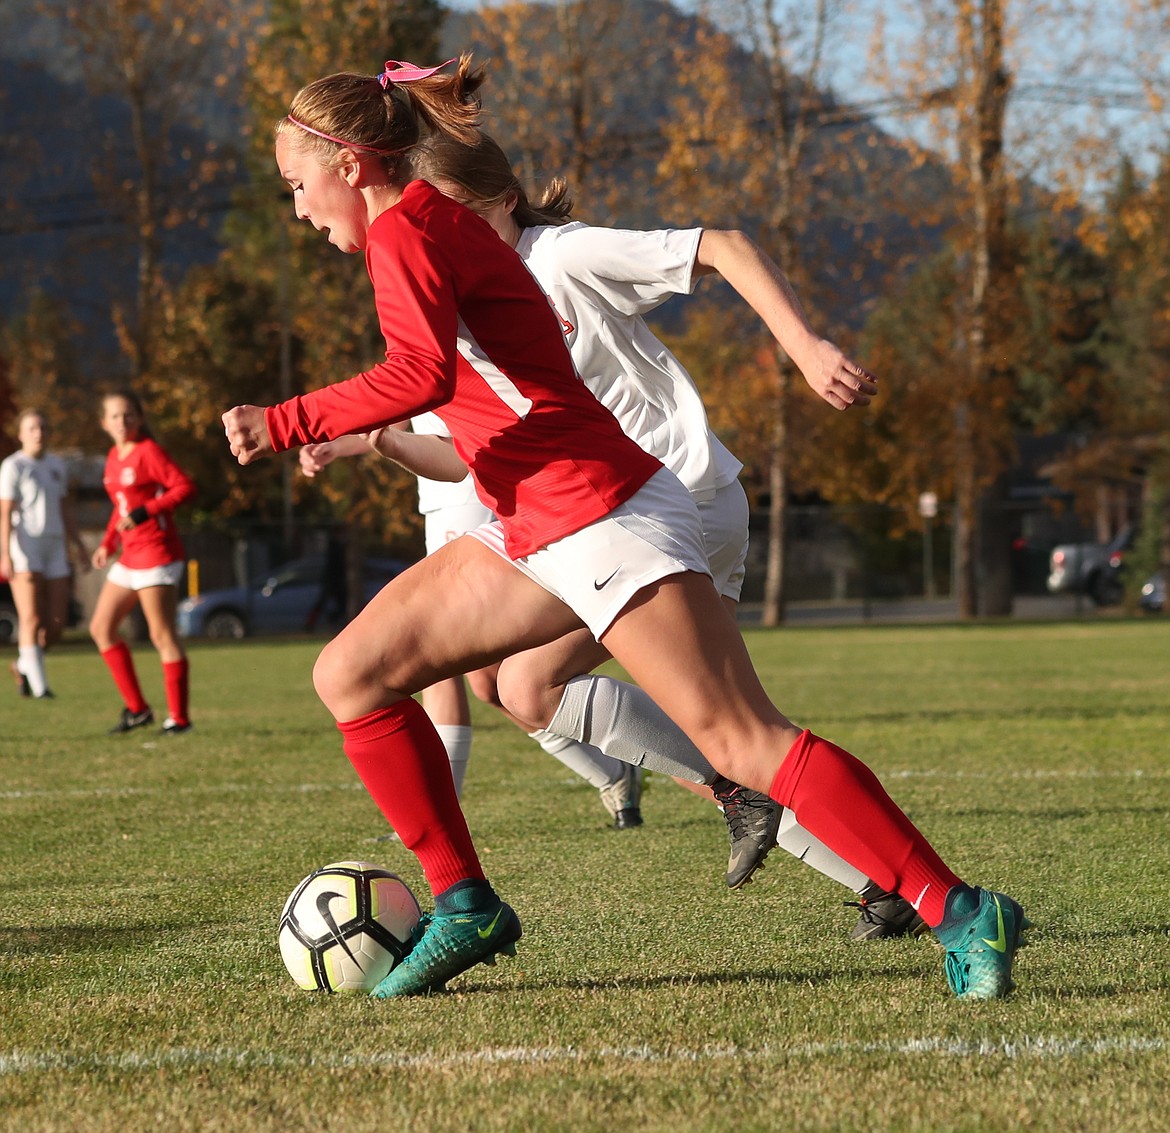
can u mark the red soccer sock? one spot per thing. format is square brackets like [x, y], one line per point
[175, 681]
[403, 764]
[837, 798]
[120, 662]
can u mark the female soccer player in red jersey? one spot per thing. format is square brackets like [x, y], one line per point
[590, 528]
[145, 486]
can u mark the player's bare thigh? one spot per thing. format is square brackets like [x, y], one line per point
[533, 682]
[113, 604]
[677, 640]
[459, 609]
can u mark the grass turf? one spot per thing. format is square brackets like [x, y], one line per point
[142, 988]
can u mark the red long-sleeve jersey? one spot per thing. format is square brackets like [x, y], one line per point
[470, 335]
[147, 478]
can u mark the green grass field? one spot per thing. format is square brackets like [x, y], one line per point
[143, 877]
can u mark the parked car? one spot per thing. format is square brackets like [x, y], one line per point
[1091, 568]
[284, 600]
[8, 619]
[1153, 596]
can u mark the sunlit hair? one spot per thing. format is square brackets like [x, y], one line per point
[135, 403]
[486, 178]
[356, 110]
[31, 412]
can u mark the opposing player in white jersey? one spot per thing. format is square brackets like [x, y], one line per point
[601, 283]
[36, 531]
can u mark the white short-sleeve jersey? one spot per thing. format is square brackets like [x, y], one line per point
[434, 495]
[36, 485]
[601, 282]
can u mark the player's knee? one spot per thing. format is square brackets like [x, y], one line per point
[99, 631]
[530, 701]
[329, 677]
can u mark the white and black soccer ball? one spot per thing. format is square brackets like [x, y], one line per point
[345, 926]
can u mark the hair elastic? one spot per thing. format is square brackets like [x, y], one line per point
[398, 71]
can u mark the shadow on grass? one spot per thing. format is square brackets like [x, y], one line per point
[1121, 932]
[74, 939]
[695, 979]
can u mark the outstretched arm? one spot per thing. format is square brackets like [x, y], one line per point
[427, 455]
[761, 283]
[432, 457]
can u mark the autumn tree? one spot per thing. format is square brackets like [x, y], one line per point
[282, 312]
[749, 134]
[159, 60]
[577, 89]
[44, 371]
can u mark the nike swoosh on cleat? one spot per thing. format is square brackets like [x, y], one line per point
[484, 933]
[1000, 942]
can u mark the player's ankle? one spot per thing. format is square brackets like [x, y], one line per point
[471, 895]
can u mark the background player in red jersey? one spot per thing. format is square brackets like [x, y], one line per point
[145, 486]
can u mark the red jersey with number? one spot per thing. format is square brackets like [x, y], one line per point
[146, 477]
[470, 335]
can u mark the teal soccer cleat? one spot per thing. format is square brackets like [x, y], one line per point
[980, 947]
[446, 944]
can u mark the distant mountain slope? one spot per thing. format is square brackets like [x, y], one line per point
[57, 233]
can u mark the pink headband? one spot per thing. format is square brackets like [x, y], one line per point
[396, 71]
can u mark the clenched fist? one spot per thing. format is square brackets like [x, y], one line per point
[247, 433]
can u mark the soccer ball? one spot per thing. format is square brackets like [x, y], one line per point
[345, 926]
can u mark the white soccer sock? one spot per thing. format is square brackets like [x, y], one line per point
[793, 837]
[621, 720]
[457, 740]
[32, 664]
[594, 766]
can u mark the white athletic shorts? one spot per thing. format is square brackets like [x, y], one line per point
[169, 575]
[447, 523]
[38, 554]
[725, 531]
[597, 570]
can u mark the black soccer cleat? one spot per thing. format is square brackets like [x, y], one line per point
[884, 916]
[128, 721]
[171, 727]
[752, 822]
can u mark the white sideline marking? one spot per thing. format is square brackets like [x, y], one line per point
[1025, 1047]
[212, 789]
[310, 788]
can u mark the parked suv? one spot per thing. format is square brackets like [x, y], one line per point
[1091, 568]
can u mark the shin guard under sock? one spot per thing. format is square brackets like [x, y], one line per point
[120, 662]
[399, 757]
[839, 800]
[175, 681]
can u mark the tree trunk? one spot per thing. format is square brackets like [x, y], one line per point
[775, 597]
